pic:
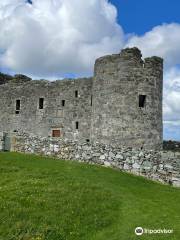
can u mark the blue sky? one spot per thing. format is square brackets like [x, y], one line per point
[140, 16]
[53, 39]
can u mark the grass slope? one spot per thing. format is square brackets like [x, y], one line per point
[47, 199]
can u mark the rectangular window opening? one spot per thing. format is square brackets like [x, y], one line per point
[76, 94]
[18, 105]
[17, 112]
[91, 99]
[41, 103]
[63, 103]
[56, 133]
[142, 101]
[77, 125]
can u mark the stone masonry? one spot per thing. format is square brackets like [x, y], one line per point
[120, 106]
[162, 166]
[112, 119]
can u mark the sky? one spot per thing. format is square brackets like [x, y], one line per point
[140, 16]
[53, 39]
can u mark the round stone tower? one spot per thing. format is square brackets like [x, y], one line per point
[127, 100]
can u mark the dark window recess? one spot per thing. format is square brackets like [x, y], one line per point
[76, 93]
[87, 140]
[56, 133]
[18, 105]
[41, 103]
[142, 101]
[91, 100]
[63, 103]
[17, 112]
[77, 125]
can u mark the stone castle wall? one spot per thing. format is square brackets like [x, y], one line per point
[54, 115]
[102, 109]
[99, 119]
[163, 166]
[119, 81]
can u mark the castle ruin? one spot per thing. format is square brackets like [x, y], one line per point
[113, 119]
[120, 106]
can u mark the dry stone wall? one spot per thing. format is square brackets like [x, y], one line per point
[156, 165]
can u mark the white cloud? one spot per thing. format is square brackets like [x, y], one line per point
[161, 41]
[172, 96]
[57, 36]
[171, 104]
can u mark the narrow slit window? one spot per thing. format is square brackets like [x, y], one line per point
[63, 103]
[18, 105]
[142, 101]
[76, 94]
[77, 125]
[41, 103]
[91, 99]
[56, 133]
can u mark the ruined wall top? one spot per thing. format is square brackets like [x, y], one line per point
[127, 54]
[154, 62]
[131, 54]
[18, 78]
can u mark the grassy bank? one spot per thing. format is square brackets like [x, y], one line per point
[48, 199]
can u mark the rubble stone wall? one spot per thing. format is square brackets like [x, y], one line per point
[163, 166]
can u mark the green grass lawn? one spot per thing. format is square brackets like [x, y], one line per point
[43, 198]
